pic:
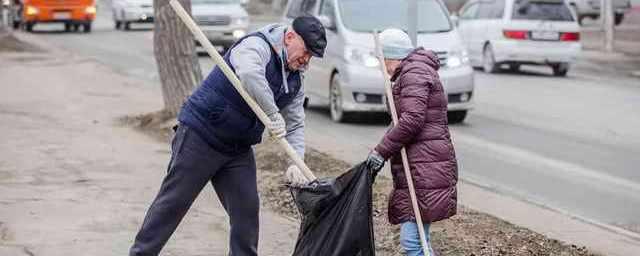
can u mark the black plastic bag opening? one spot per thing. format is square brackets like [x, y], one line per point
[336, 215]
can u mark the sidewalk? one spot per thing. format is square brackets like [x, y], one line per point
[73, 182]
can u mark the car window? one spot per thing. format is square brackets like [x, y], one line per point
[491, 9]
[497, 9]
[554, 10]
[299, 8]
[484, 10]
[327, 9]
[469, 12]
[381, 14]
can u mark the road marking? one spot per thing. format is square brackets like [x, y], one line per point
[530, 156]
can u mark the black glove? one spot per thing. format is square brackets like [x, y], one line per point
[374, 162]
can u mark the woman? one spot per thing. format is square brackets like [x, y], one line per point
[423, 130]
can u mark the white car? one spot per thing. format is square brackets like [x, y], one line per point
[222, 21]
[591, 9]
[126, 12]
[520, 32]
[348, 79]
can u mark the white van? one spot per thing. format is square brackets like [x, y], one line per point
[348, 78]
[520, 32]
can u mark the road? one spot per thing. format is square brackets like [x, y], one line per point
[568, 144]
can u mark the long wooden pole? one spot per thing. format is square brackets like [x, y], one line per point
[403, 151]
[218, 60]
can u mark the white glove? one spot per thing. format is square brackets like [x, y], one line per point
[295, 176]
[277, 127]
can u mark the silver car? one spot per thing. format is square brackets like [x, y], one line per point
[591, 9]
[348, 78]
[126, 12]
[222, 21]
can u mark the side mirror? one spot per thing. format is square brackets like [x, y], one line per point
[327, 22]
[455, 20]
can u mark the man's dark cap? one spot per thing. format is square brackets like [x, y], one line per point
[312, 33]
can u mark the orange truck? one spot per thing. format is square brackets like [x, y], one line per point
[71, 13]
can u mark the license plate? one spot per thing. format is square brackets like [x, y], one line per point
[545, 35]
[62, 15]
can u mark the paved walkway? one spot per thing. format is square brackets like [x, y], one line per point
[72, 182]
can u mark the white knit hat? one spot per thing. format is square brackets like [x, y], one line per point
[396, 44]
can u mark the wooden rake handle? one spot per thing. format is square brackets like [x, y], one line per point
[218, 60]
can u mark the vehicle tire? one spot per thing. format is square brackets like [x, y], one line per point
[76, 27]
[67, 27]
[560, 69]
[127, 25]
[618, 18]
[457, 116]
[335, 100]
[86, 27]
[16, 25]
[118, 23]
[488, 60]
[28, 27]
[514, 68]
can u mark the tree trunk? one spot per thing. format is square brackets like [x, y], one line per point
[174, 50]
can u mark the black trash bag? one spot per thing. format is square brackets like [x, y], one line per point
[336, 215]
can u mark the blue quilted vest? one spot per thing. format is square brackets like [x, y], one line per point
[217, 112]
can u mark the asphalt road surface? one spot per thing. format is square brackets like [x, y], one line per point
[570, 144]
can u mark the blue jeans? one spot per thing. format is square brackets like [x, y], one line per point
[410, 239]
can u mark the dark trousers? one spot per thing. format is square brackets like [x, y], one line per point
[193, 164]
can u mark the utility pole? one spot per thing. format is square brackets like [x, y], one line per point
[606, 15]
[412, 15]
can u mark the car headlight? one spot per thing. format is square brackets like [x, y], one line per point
[30, 10]
[238, 33]
[361, 56]
[90, 10]
[241, 21]
[457, 58]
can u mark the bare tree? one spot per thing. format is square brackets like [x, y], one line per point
[174, 50]
[606, 15]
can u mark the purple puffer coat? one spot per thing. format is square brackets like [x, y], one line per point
[423, 130]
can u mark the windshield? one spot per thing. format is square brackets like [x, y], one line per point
[367, 15]
[541, 10]
[214, 1]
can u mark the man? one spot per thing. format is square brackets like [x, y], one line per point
[217, 129]
[423, 130]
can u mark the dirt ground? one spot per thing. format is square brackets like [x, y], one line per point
[468, 233]
[8, 43]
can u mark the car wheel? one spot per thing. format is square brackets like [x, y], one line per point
[86, 27]
[514, 68]
[575, 10]
[455, 117]
[16, 25]
[118, 23]
[67, 27]
[76, 27]
[127, 25]
[618, 18]
[560, 69]
[335, 100]
[28, 26]
[489, 60]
